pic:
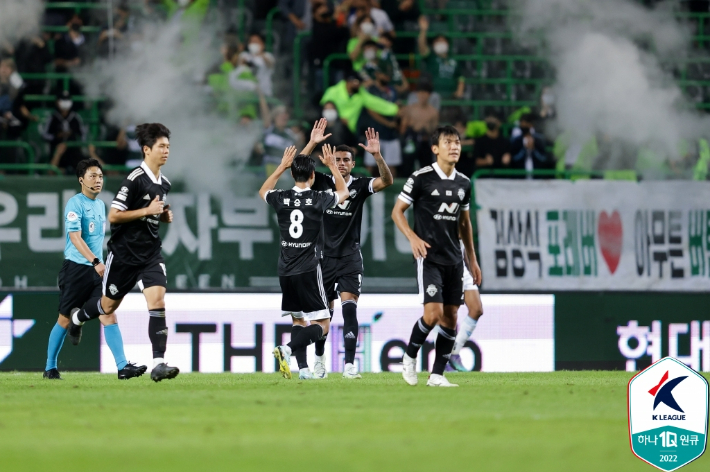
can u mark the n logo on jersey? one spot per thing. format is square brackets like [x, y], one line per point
[345, 205]
[450, 208]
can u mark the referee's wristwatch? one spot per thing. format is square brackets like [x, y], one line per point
[95, 262]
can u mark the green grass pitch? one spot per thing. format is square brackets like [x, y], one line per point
[562, 421]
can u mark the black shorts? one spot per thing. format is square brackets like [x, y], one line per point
[119, 279]
[303, 295]
[342, 274]
[440, 283]
[77, 284]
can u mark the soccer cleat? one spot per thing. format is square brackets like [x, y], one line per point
[409, 370]
[305, 374]
[455, 362]
[132, 370]
[52, 374]
[436, 380]
[163, 371]
[319, 371]
[350, 372]
[74, 330]
[284, 359]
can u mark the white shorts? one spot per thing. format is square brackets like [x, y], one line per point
[313, 316]
[390, 150]
[467, 277]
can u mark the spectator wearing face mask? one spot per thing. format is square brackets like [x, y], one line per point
[363, 32]
[62, 126]
[365, 9]
[389, 65]
[445, 72]
[341, 134]
[261, 62]
[69, 48]
[386, 126]
[370, 53]
[14, 114]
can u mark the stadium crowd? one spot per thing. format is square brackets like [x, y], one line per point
[365, 63]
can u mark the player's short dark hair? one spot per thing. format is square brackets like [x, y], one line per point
[345, 148]
[148, 133]
[302, 168]
[84, 165]
[443, 131]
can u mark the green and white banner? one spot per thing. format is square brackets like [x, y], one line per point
[223, 241]
[593, 235]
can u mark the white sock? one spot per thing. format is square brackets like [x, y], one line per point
[286, 349]
[158, 360]
[75, 318]
[468, 325]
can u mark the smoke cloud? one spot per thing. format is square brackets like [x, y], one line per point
[611, 59]
[160, 78]
[19, 18]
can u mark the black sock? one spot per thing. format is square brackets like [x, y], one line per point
[320, 344]
[158, 332]
[92, 310]
[350, 330]
[301, 354]
[444, 345]
[306, 337]
[419, 334]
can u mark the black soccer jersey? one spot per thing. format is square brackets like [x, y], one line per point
[300, 215]
[342, 224]
[438, 201]
[138, 241]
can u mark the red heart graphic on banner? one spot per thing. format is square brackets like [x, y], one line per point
[611, 238]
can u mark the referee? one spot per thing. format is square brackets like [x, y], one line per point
[83, 269]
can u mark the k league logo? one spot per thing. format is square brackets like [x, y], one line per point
[668, 414]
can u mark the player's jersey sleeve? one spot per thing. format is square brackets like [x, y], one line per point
[272, 198]
[327, 200]
[370, 186]
[466, 203]
[127, 194]
[72, 216]
[411, 190]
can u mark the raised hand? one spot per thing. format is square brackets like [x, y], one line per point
[289, 154]
[317, 134]
[373, 141]
[328, 157]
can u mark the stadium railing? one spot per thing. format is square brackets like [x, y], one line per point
[270, 27]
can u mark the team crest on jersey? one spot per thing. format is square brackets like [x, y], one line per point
[297, 203]
[431, 290]
[124, 190]
[461, 194]
[353, 192]
[92, 227]
[71, 216]
[113, 289]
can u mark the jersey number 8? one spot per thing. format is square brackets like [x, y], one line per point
[296, 228]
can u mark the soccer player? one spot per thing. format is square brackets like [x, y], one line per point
[300, 215]
[83, 267]
[472, 298]
[441, 198]
[134, 248]
[342, 260]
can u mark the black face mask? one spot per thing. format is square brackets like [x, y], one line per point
[491, 126]
[75, 27]
[525, 130]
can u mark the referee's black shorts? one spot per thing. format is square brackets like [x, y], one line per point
[440, 283]
[119, 279]
[303, 295]
[342, 274]
[77, 284]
